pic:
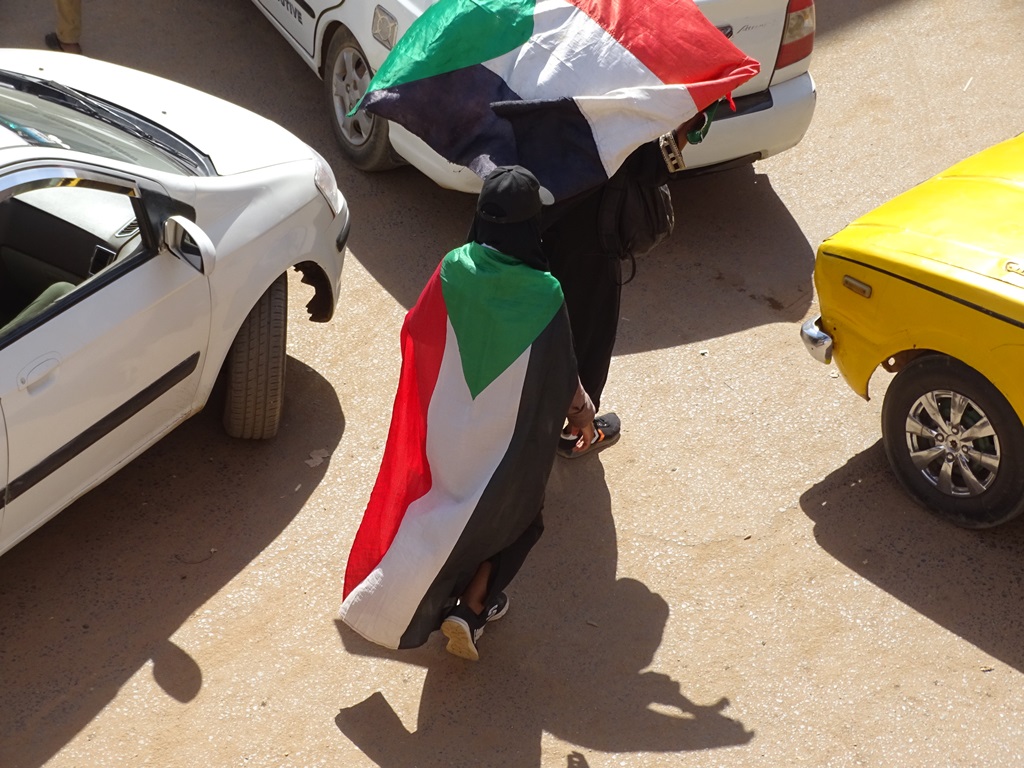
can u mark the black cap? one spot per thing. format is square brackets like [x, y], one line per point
[510, 194]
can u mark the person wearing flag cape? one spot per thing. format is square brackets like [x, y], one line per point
[585, 93]
[488, 377]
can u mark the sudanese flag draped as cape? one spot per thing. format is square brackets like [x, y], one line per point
[487, 376]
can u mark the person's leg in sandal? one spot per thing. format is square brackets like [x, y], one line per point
[607, 430]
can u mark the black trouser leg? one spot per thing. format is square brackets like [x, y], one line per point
[591, 284]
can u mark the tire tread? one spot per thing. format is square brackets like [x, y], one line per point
[256, 367]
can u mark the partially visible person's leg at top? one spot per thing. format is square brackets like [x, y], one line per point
[69, 26]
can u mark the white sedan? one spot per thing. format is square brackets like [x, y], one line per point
[345, 43]
[146, 231]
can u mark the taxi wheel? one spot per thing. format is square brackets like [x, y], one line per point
[363, 137]
[255, 368]
[954, 442]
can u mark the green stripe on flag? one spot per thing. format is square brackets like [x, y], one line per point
[485, 29]
[497, 306]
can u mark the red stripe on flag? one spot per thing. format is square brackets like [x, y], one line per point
[677, 43]
[404, 473]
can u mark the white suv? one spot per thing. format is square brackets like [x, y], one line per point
[345, 44]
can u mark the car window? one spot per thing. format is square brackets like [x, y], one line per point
[58, 236]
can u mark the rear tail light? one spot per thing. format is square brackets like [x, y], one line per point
[798, 36]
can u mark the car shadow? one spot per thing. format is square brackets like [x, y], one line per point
[431, 220]
[831, 15]
[968, 582]
[570, 659]
[99, 591]
[736, 260]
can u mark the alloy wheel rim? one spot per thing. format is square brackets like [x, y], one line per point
[952, 443]
[350, 81]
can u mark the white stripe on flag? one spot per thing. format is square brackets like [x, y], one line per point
[462, 458]
[569, 53]
[623, 120]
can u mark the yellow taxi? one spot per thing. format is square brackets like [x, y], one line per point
[930, 286]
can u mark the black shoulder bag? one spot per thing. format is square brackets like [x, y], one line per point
[634, 217]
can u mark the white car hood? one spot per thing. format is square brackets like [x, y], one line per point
[235, 139]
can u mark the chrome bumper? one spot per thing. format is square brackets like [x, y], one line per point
[818, 343]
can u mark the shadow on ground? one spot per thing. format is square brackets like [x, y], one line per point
[736, 260]
[98, 592]
[570, 659]
[970, 582]
[831, 15]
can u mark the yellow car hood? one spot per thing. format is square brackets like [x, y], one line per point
[969, 217]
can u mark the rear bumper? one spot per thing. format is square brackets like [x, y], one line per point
[763, 124]
[818, 343]
[415, 151]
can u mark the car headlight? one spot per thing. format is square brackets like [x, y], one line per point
[325, 182]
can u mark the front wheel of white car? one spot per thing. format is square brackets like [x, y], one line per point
[255, 368]
[954, 442]
[363, 137]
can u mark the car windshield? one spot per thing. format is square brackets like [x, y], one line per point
[46, 114]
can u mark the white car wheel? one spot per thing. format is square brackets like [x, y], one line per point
[255, 367]
[363, 137]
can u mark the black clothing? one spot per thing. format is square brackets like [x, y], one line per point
[521, 240]
[591, 277]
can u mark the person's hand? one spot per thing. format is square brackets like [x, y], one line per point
[586, 438]
[694, 122]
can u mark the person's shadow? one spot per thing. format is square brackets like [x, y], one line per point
[569, 659]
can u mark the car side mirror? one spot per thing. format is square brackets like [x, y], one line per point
[186, 240]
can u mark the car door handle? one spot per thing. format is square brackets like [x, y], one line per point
[38, 370]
